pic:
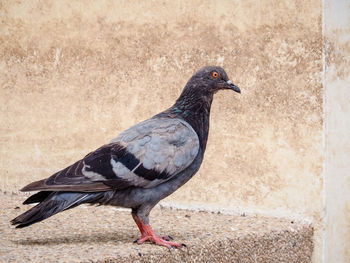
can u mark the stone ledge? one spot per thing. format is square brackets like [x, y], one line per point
[106, 234]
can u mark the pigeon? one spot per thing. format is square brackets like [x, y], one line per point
[141, 166]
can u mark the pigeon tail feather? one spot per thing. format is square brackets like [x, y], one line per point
[33, 186]
[54, 203]
[37, 198]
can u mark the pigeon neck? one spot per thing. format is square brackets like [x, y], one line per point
[195, 109]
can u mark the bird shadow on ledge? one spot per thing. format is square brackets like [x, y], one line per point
[79, 238]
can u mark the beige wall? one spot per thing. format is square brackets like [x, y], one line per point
[74, 75]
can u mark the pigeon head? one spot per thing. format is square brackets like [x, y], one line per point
[195, 101]
[211, 79]
[201, 87]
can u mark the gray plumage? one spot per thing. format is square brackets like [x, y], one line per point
[142, 165]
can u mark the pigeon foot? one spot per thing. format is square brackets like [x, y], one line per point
[158, 241]
[147, 234]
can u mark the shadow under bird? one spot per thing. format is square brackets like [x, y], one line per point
[141, 166]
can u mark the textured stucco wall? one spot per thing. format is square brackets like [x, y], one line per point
[76, 74]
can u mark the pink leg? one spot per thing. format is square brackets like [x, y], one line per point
[139, 225]
[147, 234]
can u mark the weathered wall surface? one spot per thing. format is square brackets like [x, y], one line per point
[74, 75]
[337, 130]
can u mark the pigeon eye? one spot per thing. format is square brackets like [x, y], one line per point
[215, 75]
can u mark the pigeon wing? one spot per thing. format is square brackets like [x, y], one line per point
[144, 155]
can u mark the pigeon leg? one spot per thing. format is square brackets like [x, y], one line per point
[140, 226]
[147, 234]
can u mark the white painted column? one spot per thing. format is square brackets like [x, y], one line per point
[336, 25]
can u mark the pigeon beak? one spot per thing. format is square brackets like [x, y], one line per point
[233, 86]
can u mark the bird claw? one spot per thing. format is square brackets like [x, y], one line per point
[181, 245]
[167, 238]
[160, 241]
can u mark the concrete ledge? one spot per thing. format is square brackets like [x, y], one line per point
[106, 234]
